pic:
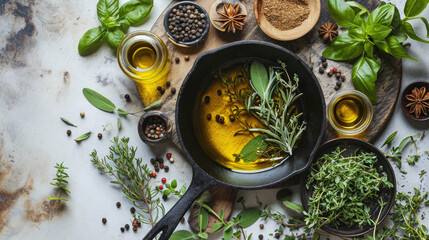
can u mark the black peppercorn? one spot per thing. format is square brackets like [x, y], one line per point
[217, 117]
[338, 84]
[182, 220]
[325, 64]
[323, 59]
[161, 166]
[127, 97]
[118, 204]
[231, 118]
[222, 120]
[122, 229]
[155, 165]
[160, 159]
[100, 136]
[330, 73]
[261, 226]
[277, 235]
[261, 236]
[156, 169]
[177, 60]
[337, 75]
[162, 91]
[152, 161]
[164, 197]
[219, 92]
[166, 168]
[104, 220]
[207, 99]
[159, 88]
[68, 132]
[132, 210]
[168, 83]
[343, 78]
[127, 226]
[336, 88]
[209, 116]
[135, 229]
[321, 70]
[173, 90]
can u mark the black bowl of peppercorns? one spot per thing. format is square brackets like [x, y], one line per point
[154, 127]
[186, 23]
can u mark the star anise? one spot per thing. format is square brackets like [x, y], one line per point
[231, 19]
[418, 101]
[328, 31]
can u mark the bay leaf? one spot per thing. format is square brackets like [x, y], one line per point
[68, 122]
[98, 100]
[83, 137]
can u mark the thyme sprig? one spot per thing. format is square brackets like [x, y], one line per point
[130, 173]
[60, 182]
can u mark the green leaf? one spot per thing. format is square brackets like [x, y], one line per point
[119, 124]
[358, 33]
[342, 13]
[414, 7]
[364, 75]
[98, 100]
[383, 15]
[378, 31]
[83, 137]
[135, 11]
[369, 49]
[248, 217]
[167, 192]
[409, 30]
[217, 226]
[107, 11]
[400, 34]
[174, 183]
[203, 235]
[396, 21]
[425, 21]
[90, 40]
[390, 138]
[68, 122]
[203, 219]
[259, 78]
[293, 206]
[392, 46]
[122, 112]
[182, 235]
[284, 194]
[360, 11]
[227, 233]
[253, 149]
[153, 105]
[114, 38]
[344, 47]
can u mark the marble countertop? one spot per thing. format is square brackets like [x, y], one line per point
[42, 76]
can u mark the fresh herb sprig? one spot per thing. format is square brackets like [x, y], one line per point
[115, 22]
[395, 152]
[171, 189]
[133, 176]
[382, 29]
[60, 182]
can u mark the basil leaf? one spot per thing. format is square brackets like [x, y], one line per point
[182, 235]
[400, 34]
[68, 122]
[369, 49]
[217, 226]
[414, 7]
[389, 139]
[383, 15]
[284, 194]
[98, 100]
[409, 30]
[342, 13]
[90, 39]
[114, 38]
[364, 75]
[425, 21]
[344, 47]
[108, 11]
[378, 31]
[293, 206]
[83, 137]
[248, 217]
[361, 13]
[153, 105]
[396, 21]
[259, 78]
[357, 33]
[203, 218]
[135, 11]
[253, 149]
[392, 46]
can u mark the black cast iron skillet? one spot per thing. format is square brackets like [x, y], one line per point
[383, 166]
[206, 172]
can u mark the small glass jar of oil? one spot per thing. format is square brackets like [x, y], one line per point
[143, 57]
[350, 112]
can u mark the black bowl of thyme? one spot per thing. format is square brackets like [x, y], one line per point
[349, 189]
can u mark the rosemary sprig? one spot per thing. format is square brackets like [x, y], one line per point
[60, 182]
[129, 172]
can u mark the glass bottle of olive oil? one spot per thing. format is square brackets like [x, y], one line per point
[143, 57]
[350, 112]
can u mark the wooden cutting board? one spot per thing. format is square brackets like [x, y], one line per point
[309, 48]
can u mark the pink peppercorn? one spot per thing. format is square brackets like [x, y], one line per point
[163, 180]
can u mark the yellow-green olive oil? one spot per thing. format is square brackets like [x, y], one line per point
[349, 112]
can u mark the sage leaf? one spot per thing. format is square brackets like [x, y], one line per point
[383, 15]
[98, 100]
[90, 40]
[227, 233]
[248, 217]
[68, 122]
[114, 38]
[119, 124]
[409, 30]
[293, 206]
[364, 75]
[135, 11]
[344, 47]
[83, 137]
[107, 11]
[259, 78]
[342, 13]
[182, 235]
[153, 105]
[284, 194]
[203, 218]
[389, 139]
[414, 7]
[217, 226]
[122, 111]
[253, 149]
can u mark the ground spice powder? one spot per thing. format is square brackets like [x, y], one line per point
[285, 14]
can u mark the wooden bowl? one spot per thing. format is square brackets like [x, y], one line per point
[404, 101]
[292, 34]
[218, 6]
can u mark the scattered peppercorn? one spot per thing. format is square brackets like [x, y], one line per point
[323, 59]
[160, 159]
[222, 120]
[100, 136]
[325, 64]
[68, 132]
[338, 70]
[161, 166]
[163, 180]
[159, 88]
[127, 97]
[155, 165]
[337, 75]
[207, 99]
[336, 88]
[219, 92]
[168, 155]
[104, 220]
[118, 204]
[132, 210]
[173, 90]
[277, 235]
[152, 161]
[162, 91]
[261, 236]
[153, 174]
[209, 116]
[182, 220]
[161, 187]
[135, 223]
[343, 78]
[338, 84]
[217, 117]
[177, 60]
[334, 70]
[150, 172]
[261, 226]
[127, 226]
[186, 58]
[82, 114]
[168, 83]
[321, 70]
[122, 229]
[330, 73]
[135, 229]
[164, 197]
[166, 168]
[171, 160]
[156, 169]
[231, 118]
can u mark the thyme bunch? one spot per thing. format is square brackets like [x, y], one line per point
[133, 176]
[60, 182]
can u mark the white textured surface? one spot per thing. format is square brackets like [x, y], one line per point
[35, 91]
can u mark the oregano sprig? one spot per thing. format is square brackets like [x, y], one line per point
[60, 182]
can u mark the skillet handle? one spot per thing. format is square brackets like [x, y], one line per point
[167, 224]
